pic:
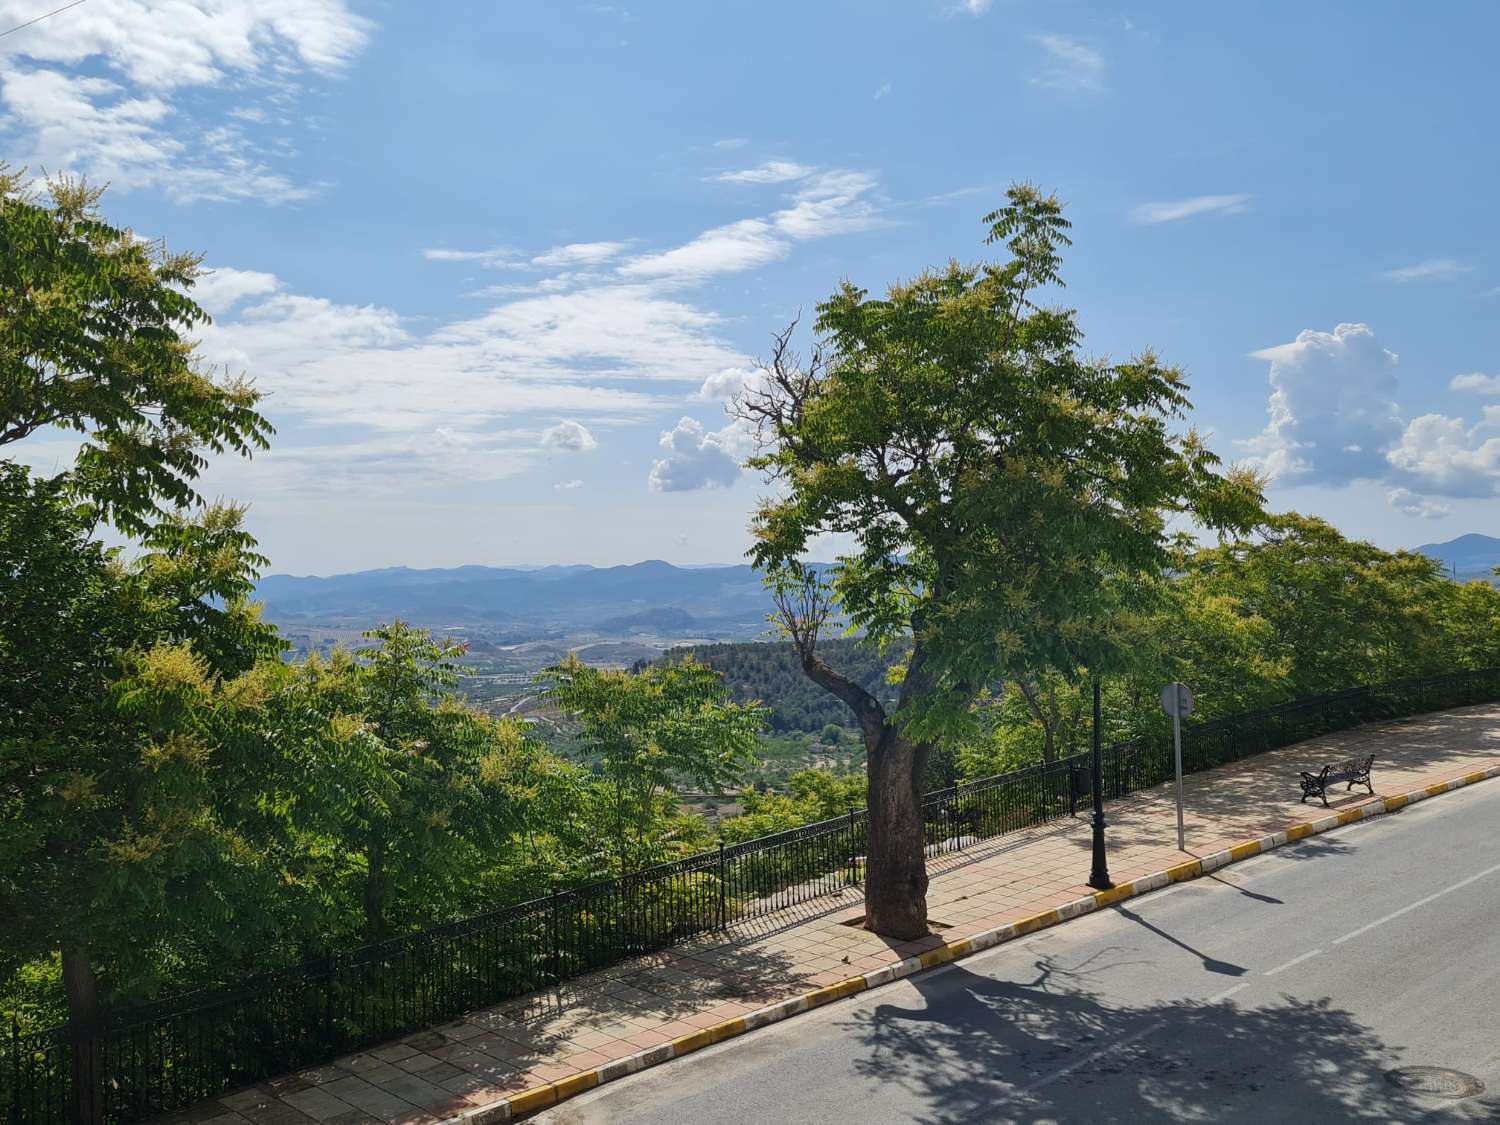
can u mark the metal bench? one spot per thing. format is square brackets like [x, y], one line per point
[1354, 771]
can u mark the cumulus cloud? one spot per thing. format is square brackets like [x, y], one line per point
[1433, 269]
[1334, 419]
[1446, 457]
[1332, 406]
[1476, 383]
[1173, 210]
[568, 485]
[771, 172]
[96, 93]
[1068, 65]
[697, 458]
[974, 7]
[1407, 502]
[573, 437]
[724, 385]
[220, 289]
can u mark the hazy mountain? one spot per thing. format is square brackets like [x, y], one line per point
[731, 597]
[1473, 555]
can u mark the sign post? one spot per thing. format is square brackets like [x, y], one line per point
[1177, 701]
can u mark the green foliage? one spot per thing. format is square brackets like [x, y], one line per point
[416, 792]
[647, 732]
[812, 795]
[94, 338]
[1009, 497]
[772, 674]
[127, 789]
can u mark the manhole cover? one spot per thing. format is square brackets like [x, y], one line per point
[1437, 1081]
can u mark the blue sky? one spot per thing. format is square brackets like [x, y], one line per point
[497, 265]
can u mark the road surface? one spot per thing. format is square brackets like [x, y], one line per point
[1282, 989]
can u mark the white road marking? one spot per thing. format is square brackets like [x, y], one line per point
[1099, 1054]
[1228, 992]
[1294, 961]
[1416, 905]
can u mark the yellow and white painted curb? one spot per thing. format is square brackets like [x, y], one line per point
[541, 1097]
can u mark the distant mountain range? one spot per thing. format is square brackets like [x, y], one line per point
[650, 596]
[1472, 556]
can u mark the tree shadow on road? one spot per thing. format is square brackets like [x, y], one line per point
[1049, 1050]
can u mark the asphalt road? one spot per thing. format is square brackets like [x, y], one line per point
[1280, 990]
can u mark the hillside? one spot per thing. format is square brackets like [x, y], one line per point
[1471, 556]
[771, 673]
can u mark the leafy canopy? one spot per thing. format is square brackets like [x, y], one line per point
[647, 733]
[94, 338]
[1007, 496]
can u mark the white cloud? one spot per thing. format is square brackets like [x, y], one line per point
[166, 44]
[882, 90]
[731, 143]
[1446, 457]
[724, 385]
[834, 202]
[568, 485]
[824, 203]
[771, 172]
[1332, 407]
[498, 258]
[94, 93]
[1172, 210]
[221, 288]
[1476, 383]
[583, 354]
[1495, 292]
[728, 249]
[1433, 269]
[573, 437]
[974, 7]
[1069, 65]
[699, 459]
[1334, 420]
[1407, 502]
[578, 254]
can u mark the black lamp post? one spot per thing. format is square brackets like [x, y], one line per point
[1099, 875]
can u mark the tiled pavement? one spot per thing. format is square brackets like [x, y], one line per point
[542, 1038]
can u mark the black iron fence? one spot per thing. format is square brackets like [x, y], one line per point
[151, 1060]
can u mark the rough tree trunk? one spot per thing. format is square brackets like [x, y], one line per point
[1049, 746]
[375, 894]
[87, 1103]
[896, 871]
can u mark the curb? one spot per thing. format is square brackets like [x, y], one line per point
[542, 1097]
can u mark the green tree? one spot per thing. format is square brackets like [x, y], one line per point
[130, 781]
[646, 734]
[119, 801]
[1338, 611]
[411, 781]
[1007, 497]
[94, 338]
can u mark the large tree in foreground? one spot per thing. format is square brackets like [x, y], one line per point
[1006, 495]
[95, 338]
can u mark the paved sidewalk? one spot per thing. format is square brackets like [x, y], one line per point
[545, 1038]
